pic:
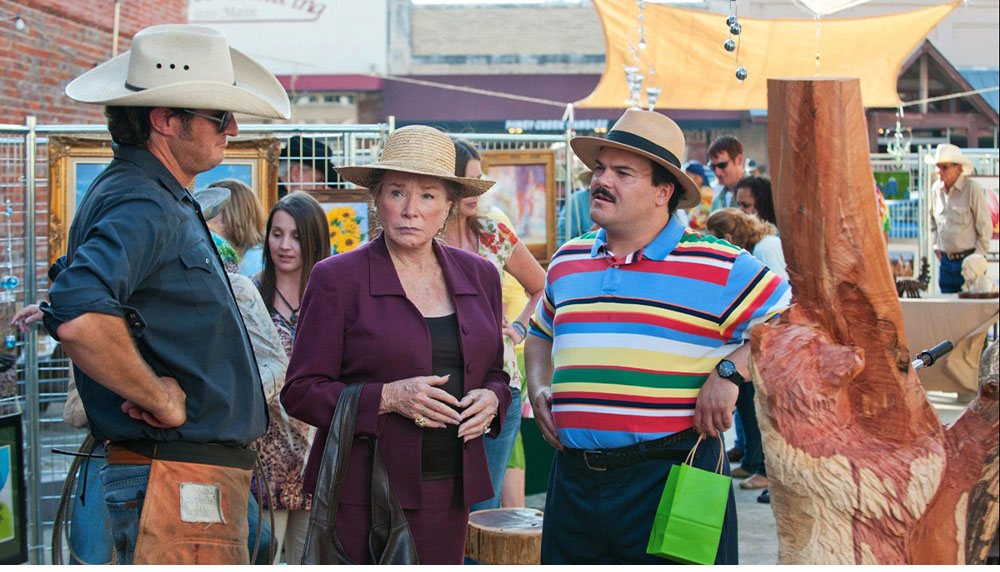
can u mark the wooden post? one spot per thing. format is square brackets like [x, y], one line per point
[861, 470]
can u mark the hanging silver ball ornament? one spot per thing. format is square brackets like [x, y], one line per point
[730, 45]
[730, 20]
[735, 29]
[741, 74]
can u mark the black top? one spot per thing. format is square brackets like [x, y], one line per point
[441, 451]
[139, 249]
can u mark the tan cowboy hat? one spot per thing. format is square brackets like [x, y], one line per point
[948, 153]
[647, 133]
[175, 65]
[420, 150]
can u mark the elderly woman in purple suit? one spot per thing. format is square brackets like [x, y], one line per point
[418, 323]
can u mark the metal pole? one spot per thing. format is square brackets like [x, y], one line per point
[568, 189]
[36, 550]
[115, 27]
[924, 203]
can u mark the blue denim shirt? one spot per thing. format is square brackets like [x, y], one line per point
[139, 249]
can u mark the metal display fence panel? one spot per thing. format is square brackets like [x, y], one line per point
[36, 385]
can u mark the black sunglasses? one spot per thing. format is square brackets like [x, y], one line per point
[719, 166]
[223, 121]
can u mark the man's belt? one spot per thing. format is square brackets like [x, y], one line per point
[143, 453]
[958, 255]
[662, 448]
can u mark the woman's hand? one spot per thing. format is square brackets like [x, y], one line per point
[479, 407]
[514, 335]
[513, 332]
[420, 399]
[25, 316]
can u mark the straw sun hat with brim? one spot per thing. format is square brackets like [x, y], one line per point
[182, 66]
[419, 150]
[651, 135]
[948, 153]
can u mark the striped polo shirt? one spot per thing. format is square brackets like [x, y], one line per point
[634, 338]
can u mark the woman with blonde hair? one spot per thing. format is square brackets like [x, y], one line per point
[760, 238]
[750, 233]
[241, 223]
[493, 240]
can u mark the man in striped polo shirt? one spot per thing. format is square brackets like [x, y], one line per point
[637, 348]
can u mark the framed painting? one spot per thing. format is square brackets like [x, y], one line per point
[525, 191]
[895, 185]
[904, 260]
[74, 163]
[13, 514]
[991, 184]
[349, 216]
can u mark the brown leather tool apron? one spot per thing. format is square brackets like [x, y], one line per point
[193, 512]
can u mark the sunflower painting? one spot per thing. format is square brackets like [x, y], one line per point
[349, 225]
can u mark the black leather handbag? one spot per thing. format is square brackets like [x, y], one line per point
[389, 540]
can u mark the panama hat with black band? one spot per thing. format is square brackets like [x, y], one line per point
[651, 135]
[186, 67]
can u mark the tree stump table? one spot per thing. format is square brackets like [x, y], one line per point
[505, 536]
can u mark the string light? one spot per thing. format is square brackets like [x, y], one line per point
[731, 45]
[634, 77]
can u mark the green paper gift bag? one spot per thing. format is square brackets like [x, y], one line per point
[688, 521]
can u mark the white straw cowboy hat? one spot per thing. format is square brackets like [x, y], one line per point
[192, 67]
[647, 133]
[948, 153]
[420, 150]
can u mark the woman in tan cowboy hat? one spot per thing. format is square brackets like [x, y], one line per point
[418, 323]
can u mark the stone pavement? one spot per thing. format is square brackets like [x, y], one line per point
[758, 533]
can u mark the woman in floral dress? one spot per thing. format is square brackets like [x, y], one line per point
[297, 238]
[497, 242]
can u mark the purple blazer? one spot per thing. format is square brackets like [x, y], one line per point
[357, 326]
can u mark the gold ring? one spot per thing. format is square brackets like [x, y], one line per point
[420, 422]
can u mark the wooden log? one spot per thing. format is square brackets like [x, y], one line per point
[861, 470]
[505, 536]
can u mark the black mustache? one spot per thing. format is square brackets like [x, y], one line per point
[601, 193]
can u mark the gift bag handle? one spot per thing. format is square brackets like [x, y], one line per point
[690, 457]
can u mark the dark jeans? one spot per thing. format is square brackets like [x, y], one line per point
[753, 456]
[950, 275]
[605, 517]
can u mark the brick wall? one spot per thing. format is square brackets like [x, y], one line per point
[63, 39]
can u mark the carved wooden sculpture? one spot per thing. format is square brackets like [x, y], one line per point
[860, 468]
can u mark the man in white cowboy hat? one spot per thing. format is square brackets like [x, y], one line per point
[141, 303]
[638, 347]
[960, 215]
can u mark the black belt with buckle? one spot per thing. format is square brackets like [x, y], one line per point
[662, 448]
[957, 255]
[143, 452]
